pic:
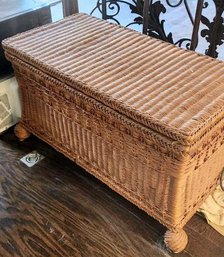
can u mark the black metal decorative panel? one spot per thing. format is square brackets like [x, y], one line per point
[212, 26]
[214, 33]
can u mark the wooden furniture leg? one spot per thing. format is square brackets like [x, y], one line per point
[176, 241]
[21, 132]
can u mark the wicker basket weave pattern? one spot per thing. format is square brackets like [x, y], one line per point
[148, 125]
[178, 81]
[82, 132]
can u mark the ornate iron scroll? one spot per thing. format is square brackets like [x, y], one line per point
[214, 34]
[103, 6]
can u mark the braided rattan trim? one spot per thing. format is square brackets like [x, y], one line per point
[132, 128]
[193, 156]
[155, 182]
[188, 135]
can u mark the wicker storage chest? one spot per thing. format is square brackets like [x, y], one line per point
[143, 116]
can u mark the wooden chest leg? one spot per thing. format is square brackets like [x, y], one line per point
[21, 132]
[176, 241]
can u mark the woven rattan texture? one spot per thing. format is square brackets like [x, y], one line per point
[143, 116]
[173, 91]
[166, 188]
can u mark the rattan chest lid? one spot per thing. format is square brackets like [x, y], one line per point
[170, 90]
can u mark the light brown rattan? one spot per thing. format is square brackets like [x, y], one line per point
[143, 116]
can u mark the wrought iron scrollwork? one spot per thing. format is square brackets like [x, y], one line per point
[156, 25]
[185, 2]
[214, 33]
[114, 7]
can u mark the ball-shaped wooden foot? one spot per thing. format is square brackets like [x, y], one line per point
[21, 132]
[176, 241]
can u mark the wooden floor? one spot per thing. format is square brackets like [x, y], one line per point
[57, 209]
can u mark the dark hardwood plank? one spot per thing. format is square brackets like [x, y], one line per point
[58, 209]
